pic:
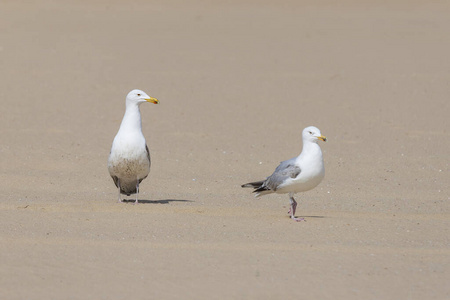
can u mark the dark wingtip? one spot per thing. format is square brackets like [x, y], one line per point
[261, 189]
[256, 184]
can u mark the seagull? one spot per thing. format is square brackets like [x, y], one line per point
[298, 174]
[129, 159]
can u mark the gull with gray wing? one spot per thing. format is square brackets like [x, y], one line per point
[298, 174]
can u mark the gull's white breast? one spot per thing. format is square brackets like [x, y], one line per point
[129, 158]
[312, 172]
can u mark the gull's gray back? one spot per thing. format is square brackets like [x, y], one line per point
[286, 169]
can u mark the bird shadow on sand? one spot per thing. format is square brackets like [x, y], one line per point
[163, 201]
[315, 217]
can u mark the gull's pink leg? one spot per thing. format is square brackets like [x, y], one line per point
[118, 183]
[293, 208]
[291, 197]
[137, 192]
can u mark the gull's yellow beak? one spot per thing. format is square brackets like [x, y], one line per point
[153, 100]
[322, 138]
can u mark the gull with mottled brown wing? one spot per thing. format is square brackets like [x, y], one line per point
[129, 159]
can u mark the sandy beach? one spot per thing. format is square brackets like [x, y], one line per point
[237, 82]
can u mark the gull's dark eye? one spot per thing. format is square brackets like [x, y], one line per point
[310, 132]
[139, 94]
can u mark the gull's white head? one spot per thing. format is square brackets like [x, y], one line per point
[312, 134]
[138, 97]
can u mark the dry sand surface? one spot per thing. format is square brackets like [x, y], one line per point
[237, 81]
